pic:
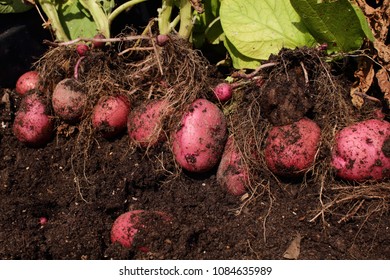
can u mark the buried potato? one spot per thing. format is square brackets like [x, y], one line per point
[130, 225]
[291, 149]
[233, 173]
[361, 151]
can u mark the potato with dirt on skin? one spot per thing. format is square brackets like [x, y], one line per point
[144, 124]
[127, 225]
[199, 142]
[32, 125]
[27, 82]
[291, 149]
[362, 151]
[233, 173]
[109, 116]
[69, 100]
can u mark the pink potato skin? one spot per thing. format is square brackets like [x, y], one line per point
[223, 92]
[127, 225]
[290, 149]
[26, 82]
[32, 125]
[68, 103]
[232, 173]
[110, 115]
[199, 142]
[359, 155]
[82, 49]
[145, 123]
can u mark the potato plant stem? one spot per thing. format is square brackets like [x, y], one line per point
[164, 16]
[121, 8]
[53, 19]
[121, 39]
[254, 73]
[99, 16]
[186, 24]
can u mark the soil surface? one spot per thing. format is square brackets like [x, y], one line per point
[80, 208]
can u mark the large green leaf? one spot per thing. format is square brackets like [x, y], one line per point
[258, 28]
[334, 22]
[14, 6]
[239, 60]
[76, 21]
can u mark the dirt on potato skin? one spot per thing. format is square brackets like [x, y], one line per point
[40, 182]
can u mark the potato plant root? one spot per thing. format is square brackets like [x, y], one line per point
[81, 182]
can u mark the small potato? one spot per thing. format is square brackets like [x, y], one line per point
[68, 100]
[126, 227]
[199, 142]
[32, 125]
[223, 92]
[290, 149]
[361, 151]
[109, 116]
[145, 123]
[26, 82]
[233, 173]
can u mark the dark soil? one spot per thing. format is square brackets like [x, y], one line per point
[287, 97]
[81, 205]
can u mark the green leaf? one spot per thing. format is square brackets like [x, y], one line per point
[258, 29]
[363, 23]
[333, 22]
[207, 27]
[212, 6]
[214, 33]
[75, 20]
[239, 60]
[14, 6]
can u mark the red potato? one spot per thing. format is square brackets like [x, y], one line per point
[290, 149]
[162, 39]
[82, 49]
[129, 224]
[145, 123]
[68, 100]
[32, 125]
[223, 92]
[109, 116]
[26, 82]
[361, 151]
[97, 43]
[232, 173]
[199, 142]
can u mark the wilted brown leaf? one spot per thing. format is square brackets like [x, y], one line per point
[294, 249]
[379, 21]
[384, 83]
[365, 76]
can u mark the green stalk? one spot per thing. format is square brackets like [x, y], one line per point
[51, 13]
[99, 16]
[186, 23]
[164, 16]
[121, 8]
